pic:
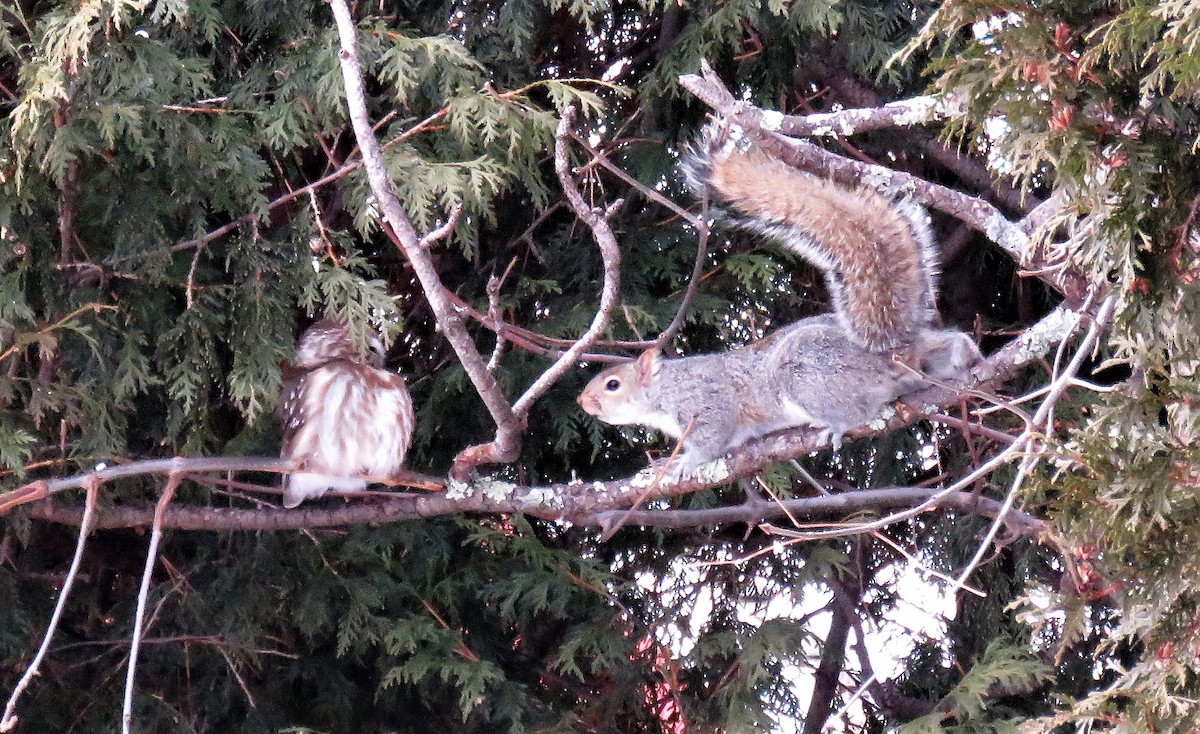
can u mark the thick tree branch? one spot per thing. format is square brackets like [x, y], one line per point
[854, 92]
[579, 502]
[851, 121]
[764, 128]
[833, 654]
[576, 501]
[506, 444]
[594, 503]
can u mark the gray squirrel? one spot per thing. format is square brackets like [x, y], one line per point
[831, 372]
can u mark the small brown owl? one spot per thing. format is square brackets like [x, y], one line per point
[345, 419]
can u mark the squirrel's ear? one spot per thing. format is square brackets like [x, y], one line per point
[646, 366]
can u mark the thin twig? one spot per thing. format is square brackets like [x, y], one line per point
[495, 316]
[703, 229]
[858, 693]
[916, 563]
[971, 427]
[841, 530]
[89, 516]
[775, 547]
[775, 498]
[611, 528]
[215, 641]
[806, 476]
[1043, 417]
[23, 340]
[941, 495]
[189, 286]
[540, 344]
[135, 643]
[238, 676]
[224, 229]
[442, 232]
[638, 186]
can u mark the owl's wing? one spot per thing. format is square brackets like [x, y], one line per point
[344, 423]
[290, 408]
[396, 410]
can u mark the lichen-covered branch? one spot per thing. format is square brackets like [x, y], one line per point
[764, 127]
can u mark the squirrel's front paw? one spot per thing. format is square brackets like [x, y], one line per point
[669, 469]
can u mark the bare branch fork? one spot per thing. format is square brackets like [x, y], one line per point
[1043, 425]
[610, 255]
[506, 443]
[510, 419]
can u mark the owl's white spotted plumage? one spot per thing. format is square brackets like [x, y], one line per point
[345, 419]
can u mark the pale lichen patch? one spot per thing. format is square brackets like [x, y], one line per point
[1010, 238]
[918, 111]
[877, 177]
[880, 423]
[1038, 339]
[641, 480]
[541, 497]
[497, 490]
[456, 490]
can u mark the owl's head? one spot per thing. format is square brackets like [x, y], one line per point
[329, 340]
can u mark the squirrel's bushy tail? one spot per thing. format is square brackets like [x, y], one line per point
[877, 253]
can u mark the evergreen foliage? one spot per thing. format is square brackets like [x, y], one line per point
[180, 194]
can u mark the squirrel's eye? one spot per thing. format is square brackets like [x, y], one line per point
[612, 385]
